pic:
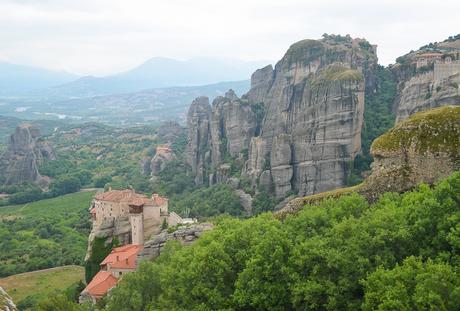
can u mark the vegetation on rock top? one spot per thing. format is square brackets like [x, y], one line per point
[304, 51]
[435, 130]
[339, 72]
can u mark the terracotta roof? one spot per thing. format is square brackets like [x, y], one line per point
[123, 257]
[162, 150]
[157, 200]
[119, 196]
[138, 201]
[93, 210]
[100, 284]
[130, 197]
[429, 54]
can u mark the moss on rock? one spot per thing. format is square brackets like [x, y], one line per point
[304, 51]
[435, 130]
[338, 72]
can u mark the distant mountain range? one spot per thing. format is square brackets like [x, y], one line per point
[19, 80]
[158, 72]
[127, 109]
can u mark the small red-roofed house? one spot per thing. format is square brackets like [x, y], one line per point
[102, 282]
[121, 260]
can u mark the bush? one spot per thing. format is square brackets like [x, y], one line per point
[101, 181]
[65, 185]
[25, 197]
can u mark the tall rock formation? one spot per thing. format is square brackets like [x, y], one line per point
[299, 124]
[198, 124]
[25, 152]
[428, 78]
[170, 134]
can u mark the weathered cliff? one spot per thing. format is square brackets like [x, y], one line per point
[6, 303]
[198, 145]
[427, 78]
[169, 134]
[185, 235]
[421, 149]
[25, 153]
[218, 135]
[297, 127]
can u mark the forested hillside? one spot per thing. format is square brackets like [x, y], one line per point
[401, 253]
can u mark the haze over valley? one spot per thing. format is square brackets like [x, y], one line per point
[282, 156]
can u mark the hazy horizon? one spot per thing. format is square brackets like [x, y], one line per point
[111, 36]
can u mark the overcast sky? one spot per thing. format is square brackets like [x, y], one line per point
[100, 37]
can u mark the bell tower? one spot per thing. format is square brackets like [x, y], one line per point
[136, 218]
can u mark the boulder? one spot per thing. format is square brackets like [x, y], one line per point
[6, 303]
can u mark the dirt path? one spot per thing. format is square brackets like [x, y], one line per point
[43, 270]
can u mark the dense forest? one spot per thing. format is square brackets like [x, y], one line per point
[400, 253]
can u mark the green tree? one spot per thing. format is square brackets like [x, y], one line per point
[58, 303]
[414, 285]
[65, 185]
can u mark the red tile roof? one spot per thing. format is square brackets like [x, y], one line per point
[163, 150]
[138, 201]
[100, 284]
[130, 197]
[429, 55]
[123, 257]
[119, 196]
[157, 200]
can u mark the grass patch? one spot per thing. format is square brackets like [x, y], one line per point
[60, 205]
[42, 282]
[44, 234]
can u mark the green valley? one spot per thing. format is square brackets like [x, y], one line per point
[44, 234]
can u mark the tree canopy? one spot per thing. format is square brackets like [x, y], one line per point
[401, 253]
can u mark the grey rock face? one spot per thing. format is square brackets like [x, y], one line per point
[145, 166]
[246, 201]
[424, 91]
[159, 162]
[169, 132]
[427, 78]
[25, 152]
[185, 235]
[313, 118]
[300, 122]
[215, 133]
[198, 144]
[233, 124]
[6, 303]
